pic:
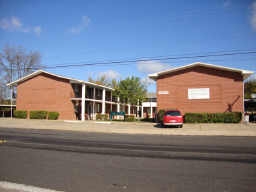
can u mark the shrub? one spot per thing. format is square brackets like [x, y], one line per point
[129, 118]
[230, 117]
[38, 114]
[234, 117]
[20, 114]
[196, 118]
[216, 117]
[148, 120]
[117, 120]
[101, 116]
[53, 115]
[160, 116]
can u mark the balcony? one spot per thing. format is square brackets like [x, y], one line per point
[150, 100]
[92, 93]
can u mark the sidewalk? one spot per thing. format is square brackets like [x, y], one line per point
[132, 127]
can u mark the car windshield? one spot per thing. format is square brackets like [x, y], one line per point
[172, 113]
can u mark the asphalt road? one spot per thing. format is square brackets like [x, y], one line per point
[68, 161]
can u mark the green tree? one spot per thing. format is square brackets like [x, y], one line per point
[249, 88]
[130, 90]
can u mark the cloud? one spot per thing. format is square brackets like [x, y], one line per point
[226, 3]
[147, 81]
[37, 30]
[253, 16]
[10, 24]
[14, 24]
[110, 74]
[151, 66]
[81, 26]
[252, 77]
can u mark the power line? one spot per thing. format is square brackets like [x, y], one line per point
[143, 59]
[125, 62]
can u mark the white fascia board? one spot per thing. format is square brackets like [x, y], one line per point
[244, 73]
[97, 85]
[59, 76]
[24, 78]
[247, 74]
[91, 84]
[156, 75]
[7, 105]
[153, 76]
[37, 73]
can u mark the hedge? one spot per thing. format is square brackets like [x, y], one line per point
[101, 116]
[229, 117]
[160, 115]
[53, 115]
[20, 114]
[129, 118]
[38, 114]
[148, 120]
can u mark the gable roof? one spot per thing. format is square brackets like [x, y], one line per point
[14, 83]
[244, 73]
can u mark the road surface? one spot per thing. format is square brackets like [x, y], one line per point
[67, 161]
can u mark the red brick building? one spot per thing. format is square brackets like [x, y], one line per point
[42, 90]
[201, 87]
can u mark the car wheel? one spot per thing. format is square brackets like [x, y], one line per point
[180, 126]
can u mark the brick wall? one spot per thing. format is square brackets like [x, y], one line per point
[45, 92]
[226, 90]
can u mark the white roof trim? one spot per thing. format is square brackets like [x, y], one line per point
[59, 76]
[244, 73]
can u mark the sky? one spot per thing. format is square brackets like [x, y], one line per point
[92, 31]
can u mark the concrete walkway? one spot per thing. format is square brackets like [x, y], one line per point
[132, 127]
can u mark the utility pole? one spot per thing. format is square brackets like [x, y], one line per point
[11, 91]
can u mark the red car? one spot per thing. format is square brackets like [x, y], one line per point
[173, 117]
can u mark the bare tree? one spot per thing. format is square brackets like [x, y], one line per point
[15, 63]
[101, 80]
[104, 80]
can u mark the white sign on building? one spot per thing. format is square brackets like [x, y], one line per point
[163, 92]
[198, 93]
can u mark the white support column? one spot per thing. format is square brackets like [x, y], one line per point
[103, 111]
[111, 105]
[142, 114]
[151, 111]
[243, 100]
[11, 100]
[138, 108]
[93, 104]
[83, 102]
[129, 109]
[118, 104]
